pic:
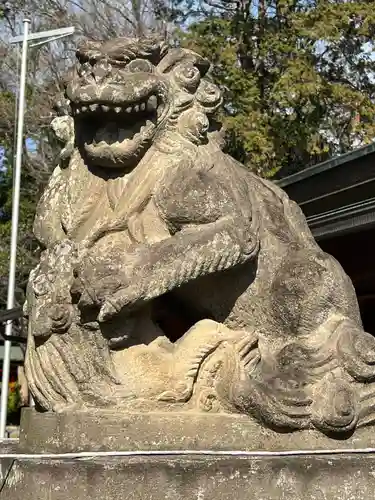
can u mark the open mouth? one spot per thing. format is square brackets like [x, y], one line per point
[110, 123]
[114, 133]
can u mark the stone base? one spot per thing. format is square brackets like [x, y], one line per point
[181, 474]
[109, 431]
[7, 446]
[192, 478]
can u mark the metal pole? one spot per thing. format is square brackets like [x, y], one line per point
[13, 247]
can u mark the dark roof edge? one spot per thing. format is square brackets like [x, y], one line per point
[327, 165]
[350, 218]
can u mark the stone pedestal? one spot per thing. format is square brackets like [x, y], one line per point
[7, 447]
[110, 431]
[193, 478]
[188, 471]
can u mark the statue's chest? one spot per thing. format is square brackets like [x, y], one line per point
[144, 228]
[95, 214]
[84, 200]
[97, 205]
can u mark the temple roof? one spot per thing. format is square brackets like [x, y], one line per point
[338, 195]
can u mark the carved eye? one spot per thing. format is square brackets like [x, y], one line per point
[187, 76]
[140, 66]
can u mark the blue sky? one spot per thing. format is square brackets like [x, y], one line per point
[30, 146]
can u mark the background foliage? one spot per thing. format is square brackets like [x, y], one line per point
[298, 77]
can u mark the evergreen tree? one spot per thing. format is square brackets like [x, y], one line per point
[298, 77]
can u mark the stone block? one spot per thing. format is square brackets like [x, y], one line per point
[110, 431]
[348, 477]
[7, 446]
[81, 456]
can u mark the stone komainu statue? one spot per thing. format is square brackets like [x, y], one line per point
[171, 278]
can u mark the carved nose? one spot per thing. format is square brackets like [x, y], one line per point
[101, 70]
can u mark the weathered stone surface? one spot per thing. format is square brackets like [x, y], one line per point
[173, 280]
[111, 431]
[6, 447]
[191, 478]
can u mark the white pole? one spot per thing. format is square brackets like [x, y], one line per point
[13, 247]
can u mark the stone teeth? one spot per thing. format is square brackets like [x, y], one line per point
[84, 108]
[142, 106]
[129, 110]
[152, 103]
[93, 107]
[105, 108]
[136, 108]
[118, 110]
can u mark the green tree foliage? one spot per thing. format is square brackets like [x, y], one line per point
[298, 77]
[39, 149]
[27, 246]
